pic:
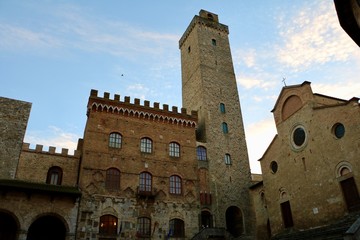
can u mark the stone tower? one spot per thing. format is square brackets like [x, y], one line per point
[209, 87]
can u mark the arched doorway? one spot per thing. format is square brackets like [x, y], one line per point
[206, 219]
[234, 221]
[47, 227]
[8, 227]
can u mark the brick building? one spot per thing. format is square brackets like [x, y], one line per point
[140, 171]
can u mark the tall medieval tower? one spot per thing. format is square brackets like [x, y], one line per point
[209, 87]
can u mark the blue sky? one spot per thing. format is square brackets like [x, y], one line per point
[52, 53]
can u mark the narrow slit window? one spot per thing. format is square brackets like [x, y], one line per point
[225, 127]
[222, 107]
[227, 159]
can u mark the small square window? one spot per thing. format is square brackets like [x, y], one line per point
[213, 41]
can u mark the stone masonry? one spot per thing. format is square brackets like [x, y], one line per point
[209, 87]
[14, 115]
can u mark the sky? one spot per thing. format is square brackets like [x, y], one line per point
[52, 53]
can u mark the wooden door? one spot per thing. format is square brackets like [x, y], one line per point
[286, 214]
[351, 194]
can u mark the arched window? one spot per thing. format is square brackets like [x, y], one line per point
[108, 225]
[115, 140]
[225, 127]
[146, 145]
[175, 184]
[112, 179]
[227, 159]
[174, 149]
[177, 228]
[222, 107]
[144, 227]
[201, 153]
[145, 182]
[54, 176]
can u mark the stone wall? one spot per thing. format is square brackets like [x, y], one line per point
[35, 163]
[14, 115]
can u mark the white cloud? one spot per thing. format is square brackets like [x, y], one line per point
[249, 81]
[72, 27]
[343, 90]
[16, 37]
[53, 136]
[313, 36]
[138, 90]
[258, 137]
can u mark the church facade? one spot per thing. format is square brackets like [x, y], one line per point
[311, 168]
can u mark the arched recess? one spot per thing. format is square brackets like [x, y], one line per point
[47, 227]
[291, 105]
[8, 226]
[234, 221]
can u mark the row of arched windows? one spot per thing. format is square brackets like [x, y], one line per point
[146, 144]
[109, 226]
[54, 175]
[112, 181]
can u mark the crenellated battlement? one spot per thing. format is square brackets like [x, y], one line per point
[52, 150]
[136, 109]
[206, 19]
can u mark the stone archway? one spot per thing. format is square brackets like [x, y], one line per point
[8, 227]
[47, 227]
[234, 221]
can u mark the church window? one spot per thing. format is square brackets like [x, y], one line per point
[213, 42]
[298, 137]
[175, 184]
[176, 228]
[146, 145]
[112, 179]
[144, 227]
[115, 140]
[145, 182]
[227, 159]
[174, 149]
[54, 176]
[222, 107]
[201, 153]
[189, 49]
[273, 166]
[338, 130]
[225, 127]
[108, 225]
